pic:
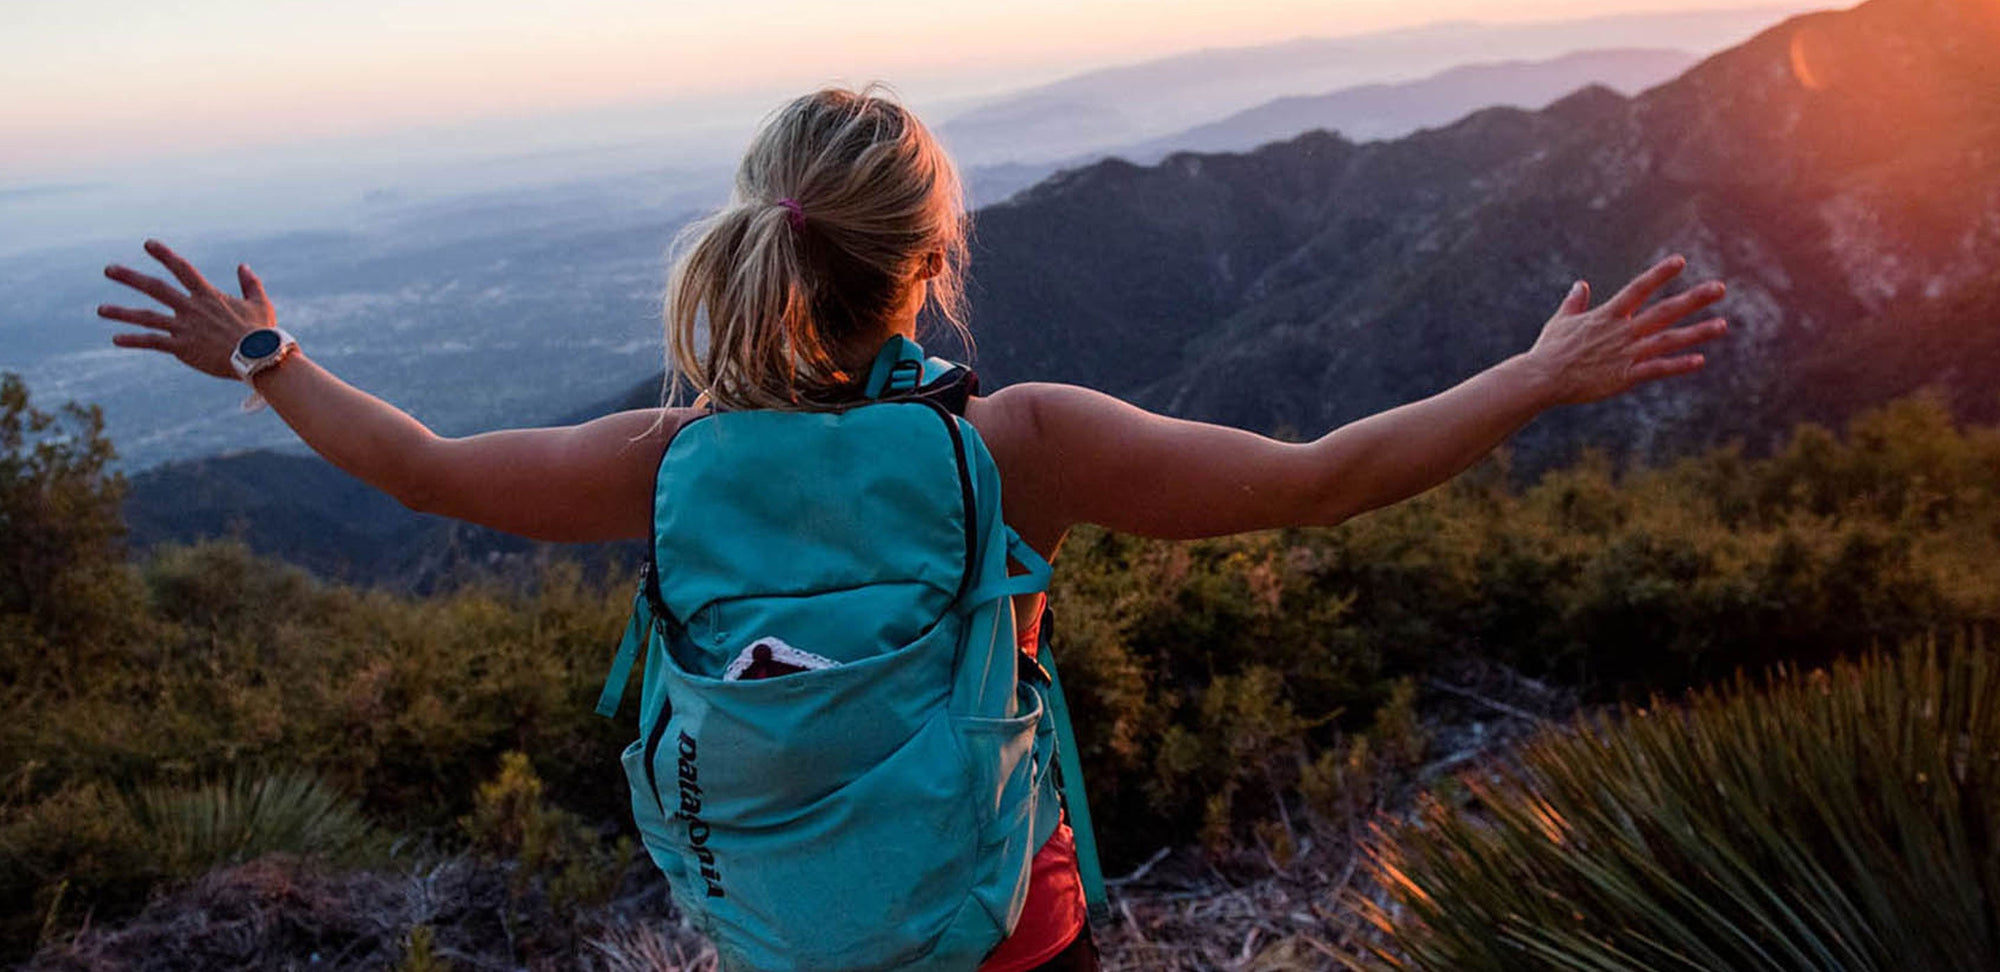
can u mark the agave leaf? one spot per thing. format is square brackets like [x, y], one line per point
[1845, 820]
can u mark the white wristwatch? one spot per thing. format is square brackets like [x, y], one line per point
[260, 349]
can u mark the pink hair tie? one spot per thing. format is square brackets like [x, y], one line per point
[795, 214]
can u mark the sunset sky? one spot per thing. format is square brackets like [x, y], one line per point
[91, 81]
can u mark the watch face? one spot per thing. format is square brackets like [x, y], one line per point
[258, 344]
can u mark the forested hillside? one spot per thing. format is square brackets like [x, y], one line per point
[302, 510]
[1259, 697]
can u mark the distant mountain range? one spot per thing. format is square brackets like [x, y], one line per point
[1097, 111]
[1841, 171]
[1372, 112]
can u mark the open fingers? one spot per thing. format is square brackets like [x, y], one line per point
[182, 270]
[152, 287]
[1679, 339]
[1678, 306]
[1635, 293]
[143, 339]
[133, 315]
[1578, 299]
[1657, 368]
[253, 288]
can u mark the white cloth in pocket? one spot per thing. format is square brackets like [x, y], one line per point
[770, 657]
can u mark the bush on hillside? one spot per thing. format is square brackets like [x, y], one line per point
[556, 858]
[1847, 818]
[189, 830]
[62, 583]
[127, 690]
[406, 703]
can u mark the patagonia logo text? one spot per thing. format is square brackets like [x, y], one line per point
[690, 811]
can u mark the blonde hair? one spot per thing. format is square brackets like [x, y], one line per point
[840, 202]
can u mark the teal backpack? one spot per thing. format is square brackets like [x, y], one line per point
[844, 761]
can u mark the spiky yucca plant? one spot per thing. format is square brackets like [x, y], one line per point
[1841, 820]
[227, 822]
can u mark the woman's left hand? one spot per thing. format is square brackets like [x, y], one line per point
[205, 324]
[1589, 353]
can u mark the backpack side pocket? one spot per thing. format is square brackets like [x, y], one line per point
[1009, 759]
[649, 812]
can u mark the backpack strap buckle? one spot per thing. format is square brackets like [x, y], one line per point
[904, 377]
[898, 369]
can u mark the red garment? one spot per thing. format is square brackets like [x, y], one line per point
[1054, 913]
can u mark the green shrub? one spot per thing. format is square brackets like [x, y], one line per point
[88, 850]
[73, 853]
[1353, 778]
[407, 703]
[512, 820]
[190, 830]
[63, 589]
[1847, 818]
[420, 955]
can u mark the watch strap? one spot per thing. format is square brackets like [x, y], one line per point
[248, 369]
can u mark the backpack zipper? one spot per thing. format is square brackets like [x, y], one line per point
[660, 721]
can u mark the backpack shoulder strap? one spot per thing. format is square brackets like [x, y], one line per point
[1069, 776]
[648, 609]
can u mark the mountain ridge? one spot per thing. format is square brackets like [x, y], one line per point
[1107, 106]
[1389, 270]
[1423, 102]
[1371, 112]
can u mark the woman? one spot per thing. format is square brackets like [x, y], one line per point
[846, 224]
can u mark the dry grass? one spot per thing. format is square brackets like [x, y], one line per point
[652, 947]
[1258, 910]
[281, 912]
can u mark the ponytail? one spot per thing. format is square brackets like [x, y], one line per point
[841, 201]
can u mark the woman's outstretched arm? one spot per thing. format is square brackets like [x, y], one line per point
[1119, 466]
[577, 483]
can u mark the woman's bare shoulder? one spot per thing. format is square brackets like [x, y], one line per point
[998, 416]
[1008, 423]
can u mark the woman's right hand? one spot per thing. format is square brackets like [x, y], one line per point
[1589, 353]
[205, 324]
